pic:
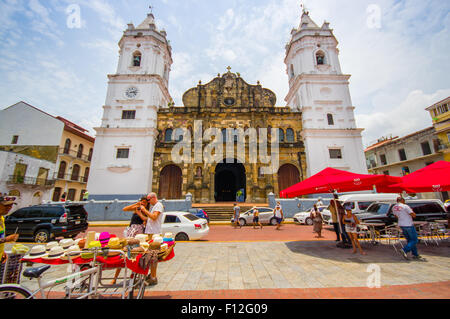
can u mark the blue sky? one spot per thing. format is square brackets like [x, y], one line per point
[397, 70]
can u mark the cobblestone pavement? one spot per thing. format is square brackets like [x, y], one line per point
[264, 266]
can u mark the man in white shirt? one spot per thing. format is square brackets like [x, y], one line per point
[154, 224]
[405, 216]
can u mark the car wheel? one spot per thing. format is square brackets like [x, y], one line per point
[42, 236]
[273, 221]
[308, 221]
[181, 237]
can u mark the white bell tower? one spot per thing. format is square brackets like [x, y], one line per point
[122, 163]
[319, 89]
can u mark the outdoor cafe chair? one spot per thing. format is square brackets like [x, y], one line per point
[393, 235]
[426, 233]
[363, 232]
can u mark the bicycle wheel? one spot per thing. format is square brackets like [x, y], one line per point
[14, 292]
[138, 285]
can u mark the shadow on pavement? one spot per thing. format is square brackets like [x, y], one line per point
[381, 253]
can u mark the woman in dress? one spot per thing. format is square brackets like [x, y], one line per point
[351, 221]
[317, 219]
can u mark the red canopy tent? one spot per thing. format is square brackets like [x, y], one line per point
[432, 178]
[331, 179]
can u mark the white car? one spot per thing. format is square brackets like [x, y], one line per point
[184, 226]
[303, 218]
[266, 216]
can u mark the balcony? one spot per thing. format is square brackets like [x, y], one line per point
[75, 154]
[30, 181]
[72, 178]
[443, 146]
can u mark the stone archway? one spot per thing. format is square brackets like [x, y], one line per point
[229, 179]
[170, 183]
[288, 175]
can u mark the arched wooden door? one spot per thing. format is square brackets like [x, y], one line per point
[170, 182]
[288, 175]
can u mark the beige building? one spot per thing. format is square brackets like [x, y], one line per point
[440, 113]
[73, 163]
[400, 156]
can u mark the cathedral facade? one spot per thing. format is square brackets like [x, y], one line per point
[229, 140]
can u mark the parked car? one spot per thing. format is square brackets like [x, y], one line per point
[360, 202]
[266, 216]
[184, 226]
[426, 210]
[42, 223]
[201, 213]
[303, 218]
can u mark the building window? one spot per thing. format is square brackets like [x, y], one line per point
[128, 115]
[15, 139]
[168, 135]
[281, 135]
[383, 159]
[75, 172]
[292, 71]
[67, 146]
[71, 195]
[330, 119]
[386, 173]
[123, 153]
[405, 170]
[80, 151]
[62, 170]
[90, 154]
[86, 175]
[320, 58]
[290, 135]
[56, 194]
[335, 153]
[426, 149]
[137, 58]
[402, 154]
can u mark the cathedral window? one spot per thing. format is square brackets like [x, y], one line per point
[137, 58]
[290, 135]
[168, 135]
[292, 71]
[335, 153]
[128, 115]
[123, 153]
[281, 135]
[320, 58]
[330, 119]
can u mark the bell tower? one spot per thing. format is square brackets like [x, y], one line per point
[320, 91]
[122, 163]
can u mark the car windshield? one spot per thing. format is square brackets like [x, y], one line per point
[191, 217]
[378, 208]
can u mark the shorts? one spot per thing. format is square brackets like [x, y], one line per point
[279, 220]
[256, 219]
[133, 230]
[350, 229]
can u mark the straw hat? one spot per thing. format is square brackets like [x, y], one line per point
[72, 252]
[19, 249]
[155, 245]
[168, 235]
[37, 251]
[104, 238]
[158, 239]
[114, 243]
[156, 235]
[82, 243]
[66, 243]
[55, 253]
[145, 245]
[50, 245]
[88, 253]
[141, 237]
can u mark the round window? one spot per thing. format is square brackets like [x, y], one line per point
[229, 101]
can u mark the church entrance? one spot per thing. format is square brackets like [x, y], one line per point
[170, 183]
[229, 179]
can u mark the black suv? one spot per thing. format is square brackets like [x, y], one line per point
[45, 222]
[426, 210]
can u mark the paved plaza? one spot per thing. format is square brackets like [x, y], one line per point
[288, 266]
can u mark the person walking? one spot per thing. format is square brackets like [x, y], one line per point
[405, 216]
[319, 202]
[256, 218]
[86, 196]
[351, 221]
[153, 227]
[346, 240]
[279, 216]
[317, 219]
[237, 215]
[334, 207]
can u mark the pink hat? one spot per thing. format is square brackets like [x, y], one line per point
[104, 238]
